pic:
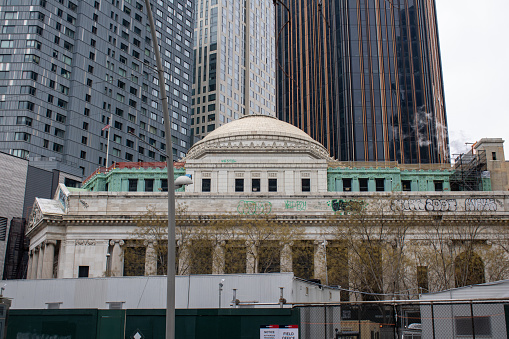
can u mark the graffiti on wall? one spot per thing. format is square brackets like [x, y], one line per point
[340, 205]
[298, 205]
[480, 205]
[254, 207]
[430, 205]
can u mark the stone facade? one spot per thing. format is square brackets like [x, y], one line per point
[226, 227]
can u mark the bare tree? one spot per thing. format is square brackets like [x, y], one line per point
[371, 241]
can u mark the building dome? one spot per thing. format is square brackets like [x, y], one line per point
[257, 133]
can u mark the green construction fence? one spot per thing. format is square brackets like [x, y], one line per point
[145, 323]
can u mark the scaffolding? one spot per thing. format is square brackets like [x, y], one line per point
[469, 169]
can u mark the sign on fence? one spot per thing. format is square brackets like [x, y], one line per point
[279, 332]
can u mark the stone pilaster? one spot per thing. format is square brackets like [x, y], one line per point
[116, 258]
[40, 262]
[33, 274]
[30, 263]
[251, 257]
[150, 258]
[218, 258]
[286, 259]
[49, 258]
[184, 259]
[320, 261]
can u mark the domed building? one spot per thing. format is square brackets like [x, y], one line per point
[258, 154]
[266, 197]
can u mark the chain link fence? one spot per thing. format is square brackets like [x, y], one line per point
[406, 320]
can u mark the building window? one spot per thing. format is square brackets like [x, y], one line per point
[205, 184]
[439, 185]
[24, 121]
[58, 148]
[255, 185]
[272, 185]
[363, 184]
[406, 185]
[239, 185]
[83, 271]
[494, 155]
[149, 185]
[347, 184]
[133, 185]
[380, 184]
[164, 185]
[306, 185]
[83, 155]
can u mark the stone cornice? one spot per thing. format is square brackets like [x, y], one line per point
[260, 144]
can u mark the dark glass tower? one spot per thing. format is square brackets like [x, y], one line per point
[364, 78]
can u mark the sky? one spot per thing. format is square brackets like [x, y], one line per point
[474, 43]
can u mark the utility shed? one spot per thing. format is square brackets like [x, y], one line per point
[192, 291]
[450, 313]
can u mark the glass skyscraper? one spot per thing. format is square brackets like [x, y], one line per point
[70, 68]
[234, 62]
[364, 78]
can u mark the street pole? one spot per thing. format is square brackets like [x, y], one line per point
[170, 275]
[220, 290]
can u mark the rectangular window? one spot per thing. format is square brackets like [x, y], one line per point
[272, 185]
[133, 185]
[7, 44]
[61, 118]
[347, 184]
[58, 148]
[26, 105]
[363, 184]
[59, 133]
[380, 184]
[306, 185]
[35, 30]
[494, 155]
[32, 58]
[68, 46]
[205, 184]
[62, 103]
[406, 185]
[22, 136]
[255, 185]
[164, 185]
[83, 271]
[439, 185]
[149, 185]
[239, 185]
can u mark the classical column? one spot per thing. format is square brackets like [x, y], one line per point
[30, 262]
[48, 259]
[320, 261]
[251, 257]
[116, 258]
[286, 257]
[35, 261]
[40, 262]
[150, 258]
[184, 259]
[218, 259]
